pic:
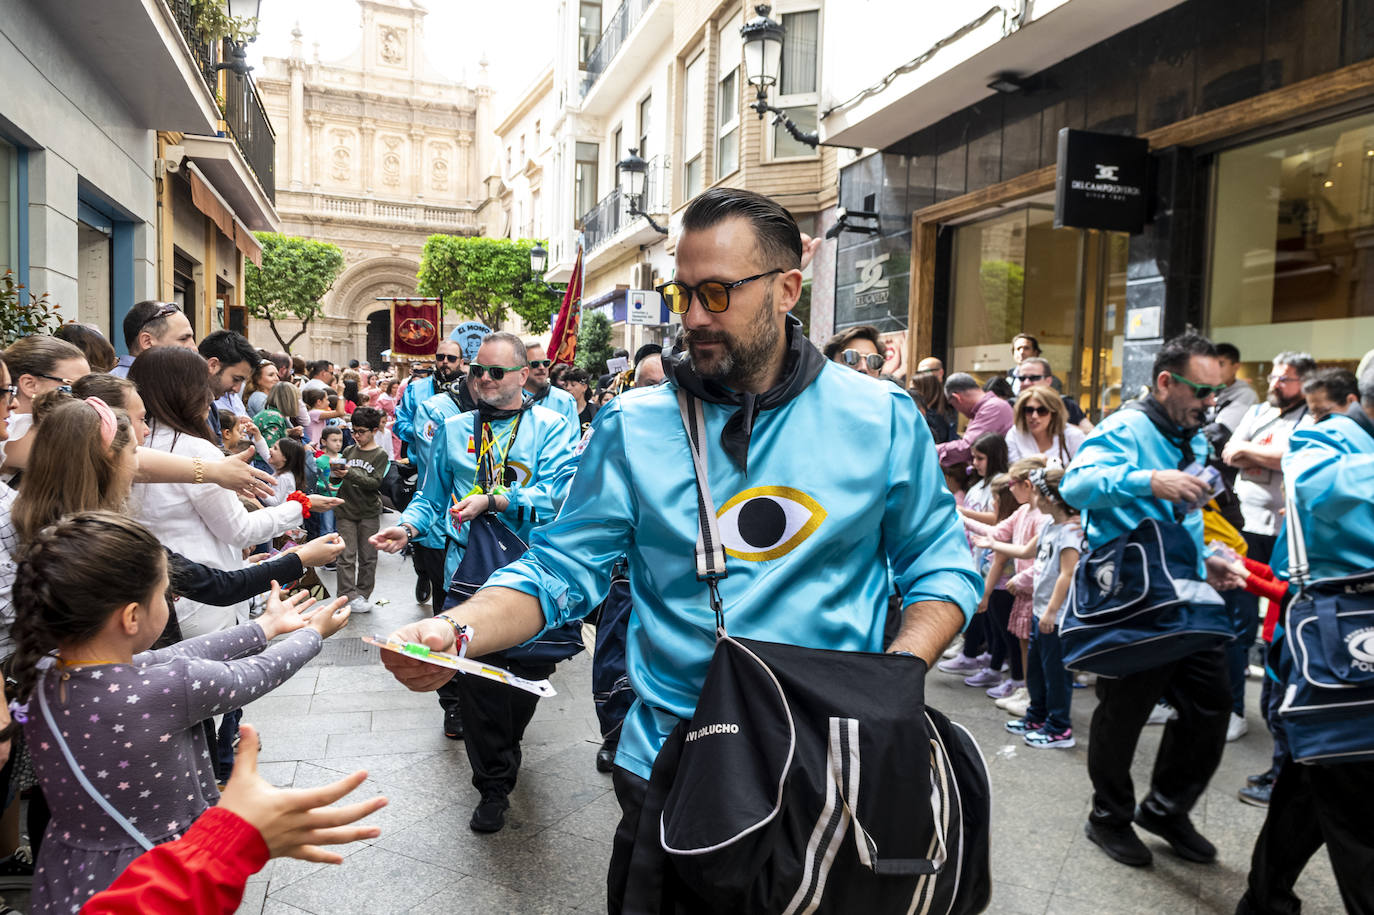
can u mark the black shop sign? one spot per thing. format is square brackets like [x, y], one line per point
[1101, 181]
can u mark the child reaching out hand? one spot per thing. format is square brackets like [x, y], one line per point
[114, 729]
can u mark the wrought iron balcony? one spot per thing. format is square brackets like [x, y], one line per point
[622, 23]
[201, 49]
[247, 121]
[611, 214]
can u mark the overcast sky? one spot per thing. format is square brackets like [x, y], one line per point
[515, 35]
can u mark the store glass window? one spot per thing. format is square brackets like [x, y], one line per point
[1015, 273]
[1291, 266]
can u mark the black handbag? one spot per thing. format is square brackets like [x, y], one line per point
[809, 780]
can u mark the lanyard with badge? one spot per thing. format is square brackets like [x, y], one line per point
[491, 481]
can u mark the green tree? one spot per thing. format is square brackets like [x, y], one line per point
[594, 344]
[486, 279]
[295, 275]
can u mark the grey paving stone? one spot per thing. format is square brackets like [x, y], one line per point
[254, 895]
[391, 697]
[382, 743]
[375, 766]
[278, 706]
[378, 882]
[1010, 899]
[334, 723]
[292, 747]
[445, 839]
[481, 897]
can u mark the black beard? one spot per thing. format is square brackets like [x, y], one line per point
[446, 375]
[744, 358]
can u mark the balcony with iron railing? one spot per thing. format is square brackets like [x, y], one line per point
[202, 49]
[613, 38]
[610, 219]
[248, 123]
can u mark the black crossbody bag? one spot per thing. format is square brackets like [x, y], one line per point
[808, 780]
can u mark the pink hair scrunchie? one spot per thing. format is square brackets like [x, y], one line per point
[108, 424]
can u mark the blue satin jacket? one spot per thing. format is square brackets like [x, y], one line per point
[562, 403]
[417, 391]
[428, 420]
[1331, 467]
[843, 480]
[542, 458]
[1109, 479]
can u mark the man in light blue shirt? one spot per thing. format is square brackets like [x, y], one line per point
[1130, 469]
[811, 530]
[544, 392]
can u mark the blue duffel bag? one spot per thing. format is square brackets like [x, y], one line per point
[1326, 660]
[1136, 604]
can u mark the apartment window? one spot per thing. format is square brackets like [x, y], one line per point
[9, 210]
[797, 81]
[646, 114]
[693, 108]
[727, 99]
[588, 29]
[584, 177]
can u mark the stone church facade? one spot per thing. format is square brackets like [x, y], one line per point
[375, 153]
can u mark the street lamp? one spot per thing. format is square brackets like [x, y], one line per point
[762, 64]
[240, 11]
[539, 261]
[633, 172]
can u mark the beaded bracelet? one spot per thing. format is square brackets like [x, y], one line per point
[303, 500]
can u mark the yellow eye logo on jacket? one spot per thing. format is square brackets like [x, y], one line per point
[767, 522]
[517, 474]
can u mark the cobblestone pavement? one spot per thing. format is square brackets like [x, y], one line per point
[343, 712]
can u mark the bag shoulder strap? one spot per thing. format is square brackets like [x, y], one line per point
[81, 779]
[710, 552]
[1297, 545]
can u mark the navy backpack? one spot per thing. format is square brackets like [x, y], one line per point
[1136, 603]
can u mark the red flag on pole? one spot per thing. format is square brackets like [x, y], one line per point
[563, 344]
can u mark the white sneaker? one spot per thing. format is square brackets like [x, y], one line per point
[359, 605]
[1162, 713]
[1236, 728]
[1019, 694]
[954, 648]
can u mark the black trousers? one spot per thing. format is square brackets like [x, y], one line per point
[1200, 691]
[429, 563]
[494, 721]
[630, 790]
[1312, 806]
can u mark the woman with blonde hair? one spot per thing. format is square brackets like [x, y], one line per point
[1041, 426]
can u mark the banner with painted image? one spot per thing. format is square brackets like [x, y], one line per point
[416, 324]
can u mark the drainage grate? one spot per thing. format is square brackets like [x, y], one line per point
[342, 652]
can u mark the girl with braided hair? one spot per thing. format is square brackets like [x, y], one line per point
[114, 728]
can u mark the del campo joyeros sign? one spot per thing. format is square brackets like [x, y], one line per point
[1100, 181]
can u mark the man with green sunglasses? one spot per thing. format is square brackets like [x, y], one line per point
[544, 392]
[1133, 468]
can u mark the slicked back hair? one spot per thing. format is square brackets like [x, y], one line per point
[1177, 352]
[775, 231]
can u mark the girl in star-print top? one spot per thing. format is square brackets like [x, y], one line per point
[92, 586]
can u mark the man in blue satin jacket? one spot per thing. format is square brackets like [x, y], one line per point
[824, 480]
[526, 455]
[1330, 466]
[1130, 469]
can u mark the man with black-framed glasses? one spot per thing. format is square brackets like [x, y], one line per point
[542, 391]
[817, 532]
[152, 323]
[1133, 467]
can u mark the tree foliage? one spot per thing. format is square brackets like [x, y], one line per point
[22, 313]
[485, 279]
[594, 343]
[295, 275]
